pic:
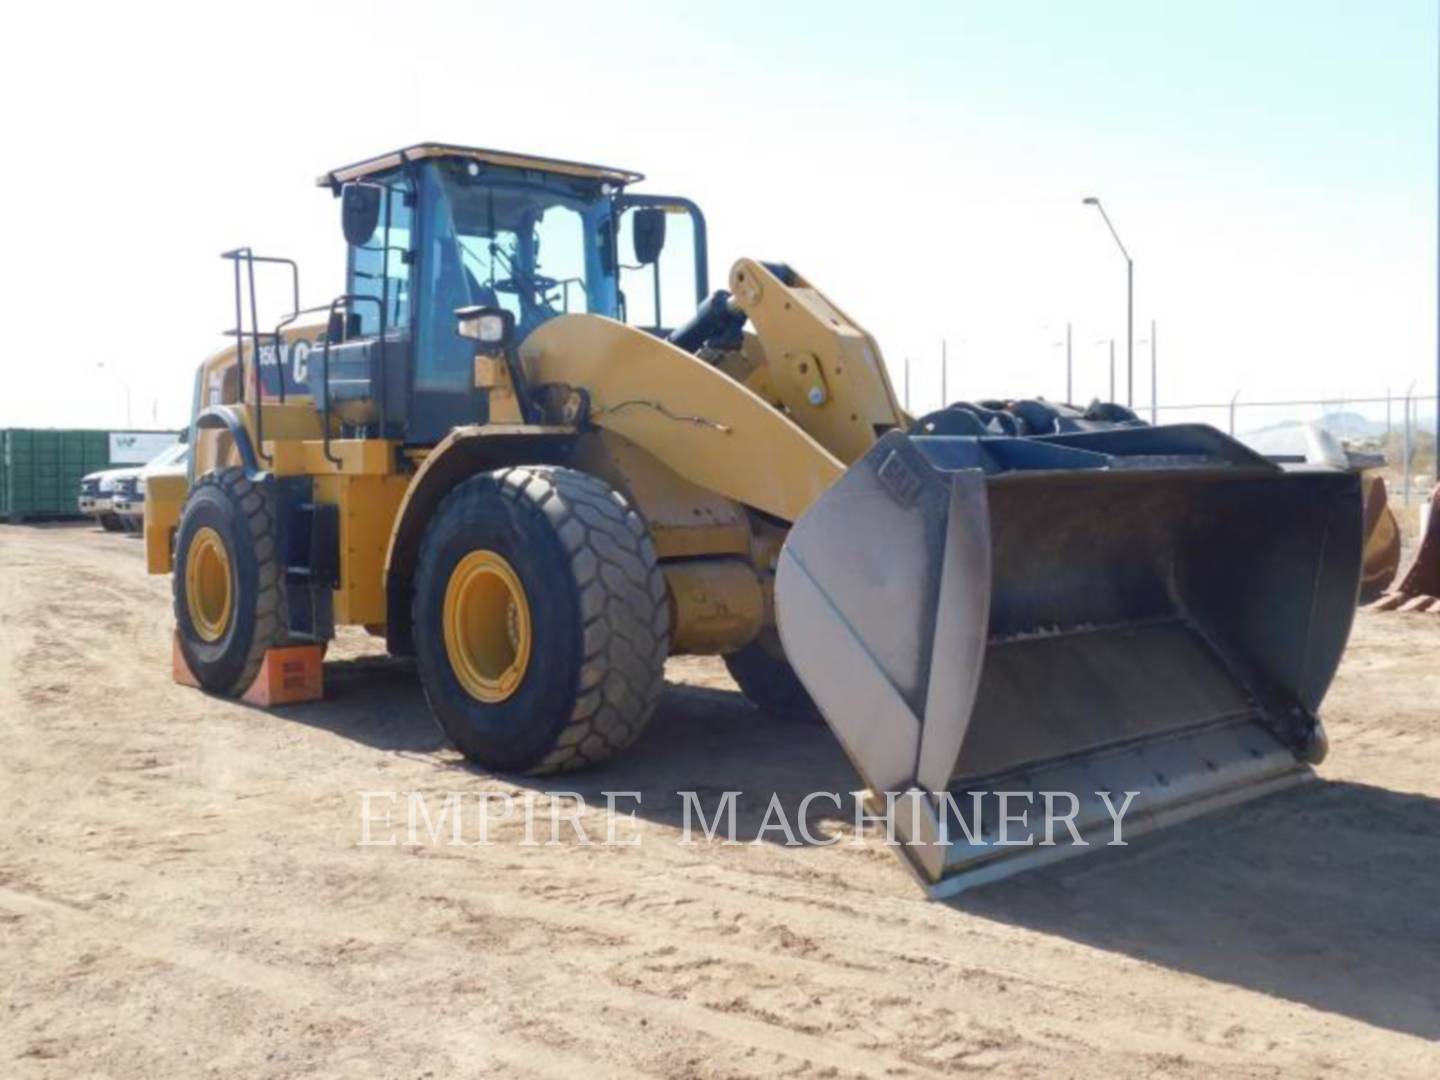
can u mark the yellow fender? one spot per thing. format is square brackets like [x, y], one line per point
[690, 416]
[461, 454]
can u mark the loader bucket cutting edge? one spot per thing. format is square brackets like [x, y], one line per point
[1149, 610]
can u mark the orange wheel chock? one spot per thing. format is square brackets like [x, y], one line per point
[287, 675]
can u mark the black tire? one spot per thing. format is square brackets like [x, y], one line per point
[111, 522]
[598, 610]
[243, 514]
[769, 681]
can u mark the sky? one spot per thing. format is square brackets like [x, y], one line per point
[1270, 167]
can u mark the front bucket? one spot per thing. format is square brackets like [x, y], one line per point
[1423, 577]
[1007, 635]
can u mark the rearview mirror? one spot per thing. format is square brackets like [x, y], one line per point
[648, 234]
[360, 211]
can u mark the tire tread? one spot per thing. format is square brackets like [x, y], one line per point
[256, 504]
[624, 611]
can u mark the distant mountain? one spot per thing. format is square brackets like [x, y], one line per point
[1351, 425]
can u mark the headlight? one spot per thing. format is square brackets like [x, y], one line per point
[492, 327]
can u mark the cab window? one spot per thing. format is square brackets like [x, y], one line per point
[380, 268]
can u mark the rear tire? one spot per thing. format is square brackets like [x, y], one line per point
[769, 681]
[583, 605]
[230, 515]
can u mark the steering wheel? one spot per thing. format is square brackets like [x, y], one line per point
[536, 283]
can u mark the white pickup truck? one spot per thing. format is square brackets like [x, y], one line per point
[127, 501]
[115, 498]
[97, 491]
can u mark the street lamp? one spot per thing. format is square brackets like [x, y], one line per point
[1091, 200]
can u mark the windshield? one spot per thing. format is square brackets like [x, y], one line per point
[535, 270]
[535, 244]
[532, 246]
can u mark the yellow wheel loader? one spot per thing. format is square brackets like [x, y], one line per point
[530, 448]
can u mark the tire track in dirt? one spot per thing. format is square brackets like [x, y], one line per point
[291, 990]
[70, 615]
[201, 857]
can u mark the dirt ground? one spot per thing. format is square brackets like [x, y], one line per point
[183, 892]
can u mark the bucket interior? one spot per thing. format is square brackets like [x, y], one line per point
[1124, 606]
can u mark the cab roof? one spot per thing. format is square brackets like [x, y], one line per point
[421, 151]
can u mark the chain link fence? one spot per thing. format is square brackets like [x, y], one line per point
[1399, 428]
[1402, 428]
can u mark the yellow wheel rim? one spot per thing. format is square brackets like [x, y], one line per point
[207, 584]
[487, 626]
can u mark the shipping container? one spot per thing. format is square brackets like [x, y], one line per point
[40, 468]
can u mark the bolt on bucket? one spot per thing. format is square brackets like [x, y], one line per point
[1072, 618]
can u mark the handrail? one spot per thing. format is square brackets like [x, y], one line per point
[248, 256]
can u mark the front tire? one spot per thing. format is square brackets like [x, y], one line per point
[227, 581]
[541, 620]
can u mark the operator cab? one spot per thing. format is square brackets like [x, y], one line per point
[433, 230]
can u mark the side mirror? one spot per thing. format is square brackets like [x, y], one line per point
[648, 234]
[360, 211]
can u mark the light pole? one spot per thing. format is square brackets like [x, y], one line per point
[1154, 379]
[1111, 343]
[944, 375]
[1091, 200]
[1409, 394]
[962, 342]
[1069, 368]
[1069, 364]
[1069, 398]
[1154, 394]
